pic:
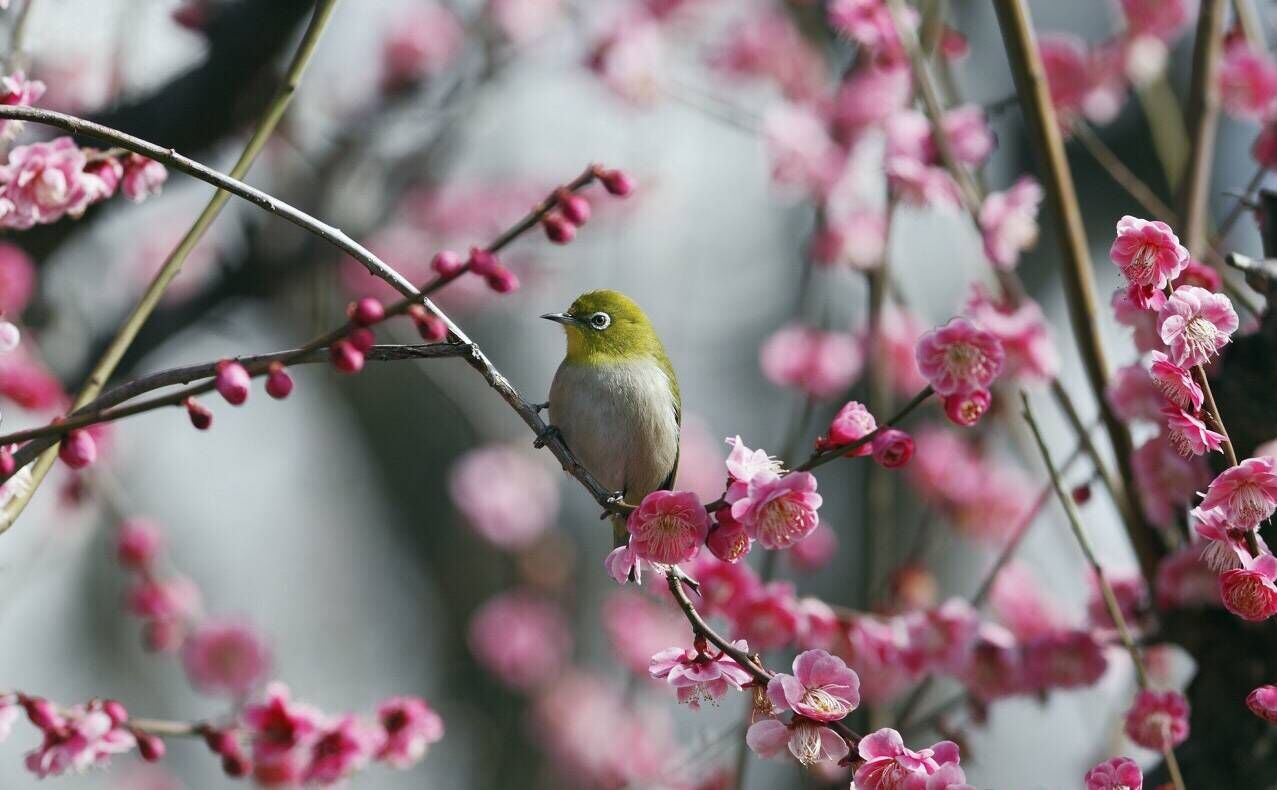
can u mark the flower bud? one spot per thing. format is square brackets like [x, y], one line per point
[200, 416]
[429, 326]
[574, 208]
[278, 383]
[8, 464]
[366, 311]
[235, 765]
[220, 741]
[345, 357]
[116, 710]
[232, 382]
[967, 409]
[482, 262]
[558, 229]
[362, 339]
[163, 636]
[78, 449]
[137, 544]
[727, 540]
[616, 182]
[503, 281]
[447, 263]
[151, 747]
[892, 448]
[1082, 494]
[41, 713]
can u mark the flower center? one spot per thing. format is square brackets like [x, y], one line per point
[963, 360]
[784, 522]
[666, 537]
[823, 701]
[1143, 262]
[1250, 505]
[805, 742]
[1200, 336]
[1181, 442]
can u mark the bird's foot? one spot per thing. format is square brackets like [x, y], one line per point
[540, 407]
[550, 432]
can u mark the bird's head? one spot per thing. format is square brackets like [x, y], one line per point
[606, 326]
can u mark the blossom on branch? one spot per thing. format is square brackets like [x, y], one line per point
[697, 675]
[1195, 324]
[1119, 773]
[668, 527]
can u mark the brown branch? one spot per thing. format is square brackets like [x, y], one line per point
[1202, 114]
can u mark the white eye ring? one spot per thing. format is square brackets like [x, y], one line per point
[600, 320]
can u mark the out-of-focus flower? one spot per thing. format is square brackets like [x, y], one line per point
[941, 639]
[801, 152]
[1143, 321]
[638, 626]
[521, 639]
[1249, 592]
[1018, 601]
[278, 726]
[768, 45]
[890, 765]
[1188, 434]
[1165, 19]
[340, 749]
[959, 357]
[1119, 773]
[768, 618]
[1263, 703]
[227, 658]
[822, 687]
[1084, 83]
[522, 21]
[421, 43]
[808, 741]
[142, 177]
[1009, 222]
[868, 97]
[410, 726]
[75, 739]
[668, 527]
[1158, 719]
[1063, 660]
[1246, 493]
[893, 349]
[1133, 395]
[1022, 330]
[820, 364]
[629, 58]
[1164, 479]
[1247, 82]
[1148, 252]
[1184, 580]
[17, 91]
[506, 495]
[969, 135]
[17, 279]
[1195, 324]
[869, 23]
[696, 675]
[816, 550]
[996, 668]
[1130, 591]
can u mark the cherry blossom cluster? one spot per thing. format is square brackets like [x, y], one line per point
[77, 738]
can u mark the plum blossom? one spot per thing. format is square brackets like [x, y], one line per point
[816, 550]
[1223, 546]
[520, 638]
[810, 742]
[17, 91]
[767, 616]
[420, 43]
[868, 97]
[1133, 395]
[44, 182]
[777, 511]
[505, 494]
[941, 638]
[893, 447]
[996, 667]
[1022, 329]
[1175, 383]
[801, 151]
[638, 626]
[959, 357]
[1195, 324]
[410, 726]
[728, 539]
[668, 527]
[1164, 19]
[340, 749]
[869, 22]
[1119, 773]
[1263, 703]
[628, 58]
[1248, 591]
[696, 675]
[522, 21]
[890, 765]
[1148, 252]
[1009, 222]
[1247, 82]
[1064, 659]
[769, 45]
[820, 364]
[1184, 580]
[1165, 479]
[1138, 318]
[851, 423]
[1158, 719]
[75, 739]
[1188, 434]
[1246, 493]
[225, 658]
[822, 687]
[142, 177]
[1083, 82]
[278, 726]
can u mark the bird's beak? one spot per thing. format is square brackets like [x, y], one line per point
[562, 318]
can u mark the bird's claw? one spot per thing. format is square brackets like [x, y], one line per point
[550, 432]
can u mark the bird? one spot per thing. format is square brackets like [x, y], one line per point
[615, 400]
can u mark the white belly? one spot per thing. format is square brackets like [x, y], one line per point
[619, 421]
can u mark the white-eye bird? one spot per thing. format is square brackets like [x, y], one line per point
[615, 399]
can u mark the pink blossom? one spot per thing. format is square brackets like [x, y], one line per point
[744, 464]
[1246, 493]
[868, 97]
[996, 667]
[1249, 592]
[808, 741]
[138, 542]
[421, 43]
[1188, 434]
[893, 448]
[959, 357]
[768, 618]
[623, 564]
[168, 599]
[1022, 329]
[1263, 703]
[698, 675]
[1132, 599]
[76, 740]
[1021, 605]
[340, 749]
[142, 177]
[969, 136]
[949, 776]
[775, 510]
[1247, 82]
[668, 527]
[1143, 321]
[875, 647]
[522, 21]
[917, 183]
[520, 638]
[852, 422]
[17, 91]
[1119, 773]
[1175, 383]
[820, 364]
[1199, 274]
[1147, 251]
[1164, 479]
[1065, 659]
[941, 639]
[410, 726]
[1082, 82]
[629, 57]
[232, 382]
[1195, 324]
[822, 688]
[1133, 395]
[638, 626]
[728, 539]
[890, 765]
[856, 238]
[278, 726]
[505, 495]
[1165, 19]
[17, 279]
[225, 658]
[869, 22]
[967, 408]
[768, 45]
[44, 182]
[1158, 719]
[819, 625]
[1009, 222]
[725, 587]
[816, 550]
[800, 149]
[893, 348]
[1184, 580]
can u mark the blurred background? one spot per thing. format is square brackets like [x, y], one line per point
[329, 523]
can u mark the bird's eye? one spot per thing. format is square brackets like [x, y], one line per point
[600, 320]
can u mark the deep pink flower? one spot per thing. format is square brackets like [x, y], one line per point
[668, 527]
[1083, 82]
[893, 447]
[1247, 493]
[996, 667]
[142, 177]
[278, 726]
[1249, 592]
[728, 539]
[820, 364]
[410, 725]
[699, 675]
[1225, 545]
[76, 740]
[1133, 395]
[808, 741]
[1147, 252]
[1065, 659]
[340, 749]
[419, 44]
[1009, 222]
[777, 511]
[959, 357]
[1188, 434]
[1165, 19]
[725, 586]
[1158, 719]
[520, 638]
[1195, 324]
[1022, 329]
[17, 91]
[869, 23]
[232, 382]
[44, 182]
[966, 408]
[1263, 703]
[638, 626]
[1175, 383]
[27, 382]
[505, 494]
[1119, 773]
[1199, 274]
[822, 687]
[868, 97]
[1164, 479]
[1184, 580]
[225, 658]
[853, 421]
[138, 542]
[768, 617]
[816, 550]
[890, 765]
[1247, 81]
[941, 638]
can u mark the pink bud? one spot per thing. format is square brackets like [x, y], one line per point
[429, 326]
[967, 409]
[366, 311]
[78, 449]
[503, 281]
[200, 416]
[232, 381]
[482, 262]
[558, 229]
[345, 357]
[235, 765]
[149, 746]
[447, 263]
[278, 383]
[41, 713]
[221, 741]
[137, 544]
[616, 182]
[163, 636]
[8, 464]
[727, 540]
[362, 339]
[575, 208]
[1082, 494]
[892, 448]
[116, 710]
